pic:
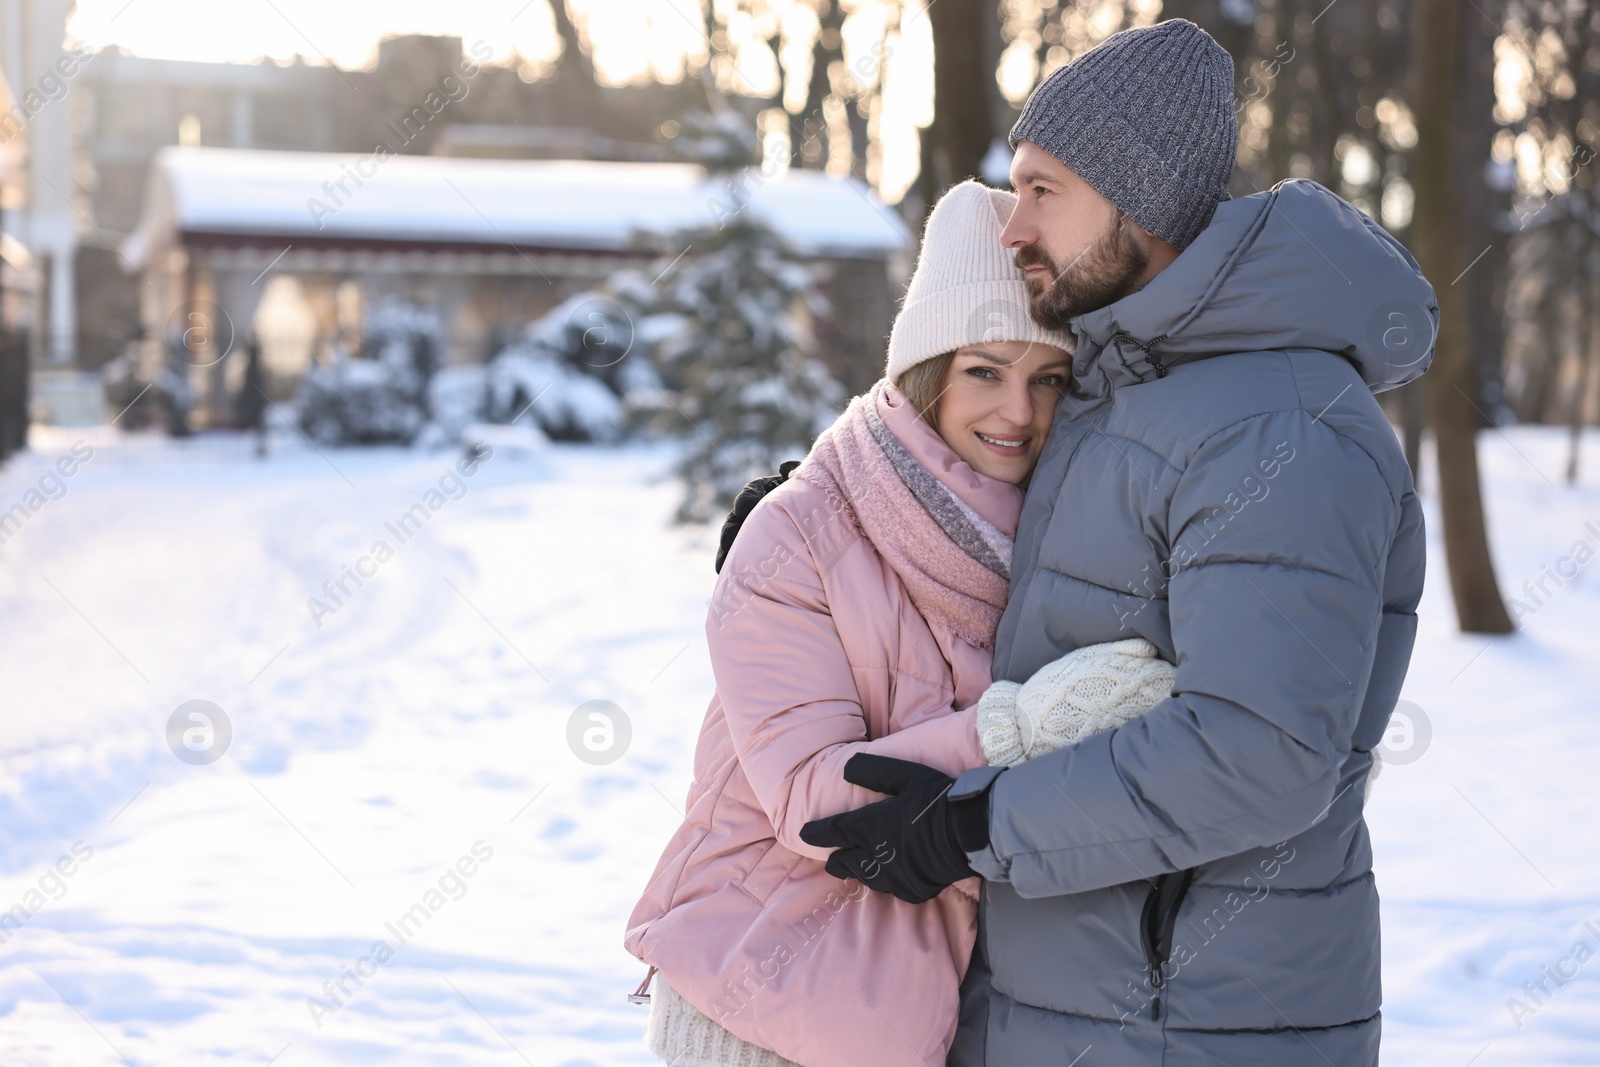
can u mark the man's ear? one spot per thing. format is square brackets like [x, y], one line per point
[1159, 252]
[1144, 237]
[1162, 252]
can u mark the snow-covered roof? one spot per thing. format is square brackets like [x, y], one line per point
[559, 204]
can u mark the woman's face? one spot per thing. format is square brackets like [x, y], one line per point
[996, 404]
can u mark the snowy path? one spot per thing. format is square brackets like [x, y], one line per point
[425, 715]
[424, 725]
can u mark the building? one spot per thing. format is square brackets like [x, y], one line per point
[130, 107]
[235, 240]
[76, 174]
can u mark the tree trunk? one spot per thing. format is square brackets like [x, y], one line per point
[1002, 116]
[574, 69]
[1581, 45]
[963, 123]
[808, 131]
[1533, 403]
[1437, 44]
[1329, 116]
[1484, 245]
[1281, 97]
[1587, 355]
[1412, 420]
[857, 119]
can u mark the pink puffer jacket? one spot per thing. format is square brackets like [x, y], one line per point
[818, 654]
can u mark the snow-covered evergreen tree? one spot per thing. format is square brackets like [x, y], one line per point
[730, 326]
[721, 140]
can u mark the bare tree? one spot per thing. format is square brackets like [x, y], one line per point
[1438, 42]
[808, 130]
[1553, 321]
[575, 68]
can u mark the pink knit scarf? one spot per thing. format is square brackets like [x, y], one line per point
[955, 565]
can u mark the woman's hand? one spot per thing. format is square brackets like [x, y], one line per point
[1087, 691]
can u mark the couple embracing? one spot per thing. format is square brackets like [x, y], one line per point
[1048, 683]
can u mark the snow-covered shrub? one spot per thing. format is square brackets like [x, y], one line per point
[732, 341]
[164, 402]
[358, 401]
[565, 403]
[570, 369]
[381, 397]
[458, 397]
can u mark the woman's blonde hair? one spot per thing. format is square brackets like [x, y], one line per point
[923, 384]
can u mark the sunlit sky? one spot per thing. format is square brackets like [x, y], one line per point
[630, 40]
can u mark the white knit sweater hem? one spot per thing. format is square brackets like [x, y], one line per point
[684, 1036]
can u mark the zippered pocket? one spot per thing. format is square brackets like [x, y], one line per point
[1156, 926]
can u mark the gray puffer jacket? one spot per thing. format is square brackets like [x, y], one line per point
[1196, 887]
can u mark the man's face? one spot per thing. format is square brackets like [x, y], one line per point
[1077, 251]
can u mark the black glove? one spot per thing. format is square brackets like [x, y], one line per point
[747, 499]
[912, 845]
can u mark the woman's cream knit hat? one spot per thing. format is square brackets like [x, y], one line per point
[966, 289]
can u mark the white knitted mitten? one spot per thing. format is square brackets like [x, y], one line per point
[1085, 692]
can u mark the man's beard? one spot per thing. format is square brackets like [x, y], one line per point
[1107, 271]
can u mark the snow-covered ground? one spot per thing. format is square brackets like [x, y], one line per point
[403, 751]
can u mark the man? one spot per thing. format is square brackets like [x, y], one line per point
[1194, 887]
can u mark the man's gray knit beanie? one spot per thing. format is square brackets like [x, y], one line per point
[1147, 119]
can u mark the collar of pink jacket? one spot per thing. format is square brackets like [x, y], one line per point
[1000, 503]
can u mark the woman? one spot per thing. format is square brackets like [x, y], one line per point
[856, 612]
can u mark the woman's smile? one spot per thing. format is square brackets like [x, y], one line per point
[1004, 445]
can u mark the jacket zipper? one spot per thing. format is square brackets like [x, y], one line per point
[1156, 926]
[640, 995]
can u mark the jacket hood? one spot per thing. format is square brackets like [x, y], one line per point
[1293, 267]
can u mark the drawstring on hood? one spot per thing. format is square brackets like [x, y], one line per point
[1145, 347]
